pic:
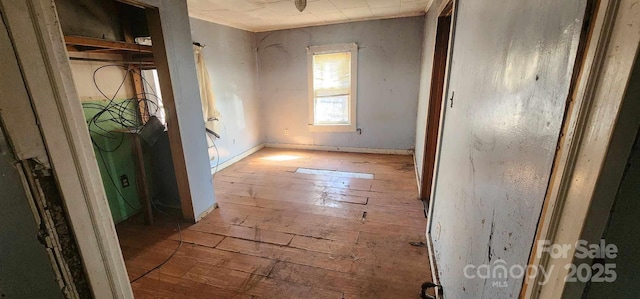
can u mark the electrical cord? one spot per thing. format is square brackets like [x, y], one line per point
[166, 260]
[119, 114]
[213, 141]
[114, 114]
[172, 254]
[217, 162]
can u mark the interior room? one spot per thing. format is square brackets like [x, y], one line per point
[319, 148]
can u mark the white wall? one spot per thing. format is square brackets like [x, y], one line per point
[232, 64]
[429, 41]
[109, 80]
[511, 67]
[388, 81]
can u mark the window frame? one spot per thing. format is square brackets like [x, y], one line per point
[353, 97]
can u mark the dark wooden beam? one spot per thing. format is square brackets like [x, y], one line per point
[106, 45]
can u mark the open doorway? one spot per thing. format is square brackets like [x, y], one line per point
[116, 78]
[438, 79]
[127, 86]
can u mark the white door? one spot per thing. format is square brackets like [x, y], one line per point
[512, 63]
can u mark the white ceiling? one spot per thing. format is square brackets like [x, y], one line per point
[267, 15]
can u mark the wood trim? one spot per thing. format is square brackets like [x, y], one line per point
[353, 98]
[225, 164]
[141, 178]
[113, 58]
[446, 8]
[16, 116]
[434, 266]
[440, 58]
[591, 122]
[432, 199]
[138, 88]
[341, 149]
[418, 178]
[19, 130]
[207, 212]
[582, 65]
[102, 44]
[43, 59]
[428, 6]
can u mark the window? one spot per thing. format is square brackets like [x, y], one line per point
[332, 71]
[151, 86]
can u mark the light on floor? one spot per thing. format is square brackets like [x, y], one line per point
[281, 158]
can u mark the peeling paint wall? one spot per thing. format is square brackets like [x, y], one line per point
[232, 64]
[388, 80]
[512, 63]
[39, 256]
[26, 268]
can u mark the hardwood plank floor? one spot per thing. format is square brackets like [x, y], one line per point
[282, 234]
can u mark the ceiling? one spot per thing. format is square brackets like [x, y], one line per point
[267, 15]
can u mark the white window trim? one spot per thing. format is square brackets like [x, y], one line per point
[353, 99]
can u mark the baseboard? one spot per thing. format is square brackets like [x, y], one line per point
[415, 167]
[341, 149]
[432, 264]
[237, 158]
[207, 211]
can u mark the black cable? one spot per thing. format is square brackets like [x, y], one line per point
[95, 82]
[217, 162]
[213, 141]
[166, 260]
[119, 114]
[116, 114]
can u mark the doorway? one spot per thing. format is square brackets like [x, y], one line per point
[438, 76]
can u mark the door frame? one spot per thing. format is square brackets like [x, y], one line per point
[41, 53]
[439, 72]
[37, 38]
[588, 162]
[446, 7]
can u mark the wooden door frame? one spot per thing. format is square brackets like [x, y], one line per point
[583, 179]
[36, 35]
[436, 96]
[446, 7]
[41, 53]
[167, 74]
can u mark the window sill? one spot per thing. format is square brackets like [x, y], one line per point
[333, 128]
